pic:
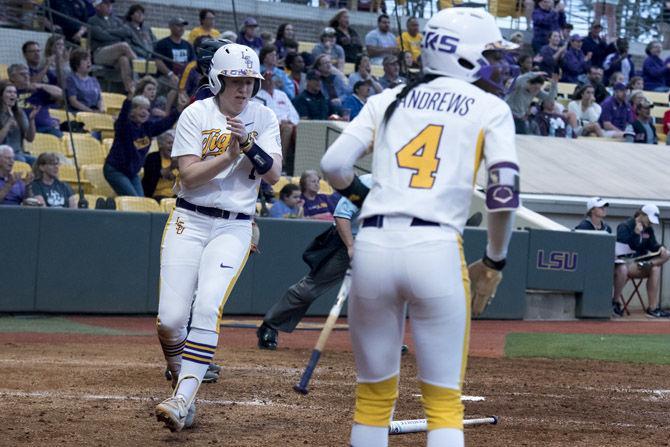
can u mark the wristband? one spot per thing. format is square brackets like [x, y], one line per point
[356, 192]
[495, 265]
[259, 158]
[246, 145]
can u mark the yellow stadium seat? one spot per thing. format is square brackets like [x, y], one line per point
[89, 150]
[349, 68]
[658, 98]
[21, 168]
[96, 121]
[143, 66]
[93, 174]
[92, 198]
[566, 89]
[3, 71]
[306, 46]
[162, 33]
[325, 188]
[67, 173]
[113, 102]
[168, 204]
[377, 70]
[505, 8]
[61, 116]
[296, 180]
[283, 181]
[125, 203]
[45, 142]
[658, 112]
[107, 143]
[154, 146]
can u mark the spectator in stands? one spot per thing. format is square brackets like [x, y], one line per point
[39, 70]
[267, 38]
[247, 35]
[109, 42]
[411, 40]
[525, 63]
[636, 83]
[333, 83]
[328, 46]
[176, 52]
[133, 133]
[148, 87]
[82, 90]
[345, 36]
[284, 32]
[311, 104]
[15, 125]
[380, 42]
[643, 129]
[73, 17]
[206, 28]
[391, 77]
[566, 31]
[596, 45]
[616, 78]
[525, 89]
[546, 18]
[620, 60]
[355, 102]
[587, 111]
[296, 71]
[160, 169]
[616, 113]
[36, 96]
[57, 57]
[363, 72]
[47, 189]
[655, 72]
[608, 8]
[290, 203]
[142, 39]
[548, 123]
[316, 206]
[288, 118]
[268, 59]
[596, 211]
[636, 97]
[636, 236]
[594, 77]
[551, 54]
[13, 189]
[574, 63]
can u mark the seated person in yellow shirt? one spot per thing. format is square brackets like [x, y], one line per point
[206, 27]
[411, 40]
[160, 170]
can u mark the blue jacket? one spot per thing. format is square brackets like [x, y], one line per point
[132, 141]
[654, 73]
[544, 22]
[354, 104]
[642, 243]
[598, 49]
[573, 65]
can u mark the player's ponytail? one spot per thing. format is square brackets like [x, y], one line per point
[404, 92]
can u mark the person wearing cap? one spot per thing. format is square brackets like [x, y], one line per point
[655, 72]
[574, 63]
[643, 130]
[268, 58]
[381, 42]
[616, 112]
[312, 104]
[596, 210]
[109, 39]
[206, 28]
[620, 60]
[546, 18]
[637, 237]
[391, 76]
[410, 40]
[248, 35]
[176, 52]
[328, 46]
[355, 102]
[596, 45]
[552, 53]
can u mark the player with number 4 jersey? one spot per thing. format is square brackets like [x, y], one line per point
[428, 139]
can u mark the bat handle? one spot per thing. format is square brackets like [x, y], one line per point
[301, 387]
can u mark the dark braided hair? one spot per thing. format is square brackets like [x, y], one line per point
[425, 78]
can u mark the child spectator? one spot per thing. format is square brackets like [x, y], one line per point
[316, 206]
[46, 188]
[345, 36]
[381, 42]
[15, 125]
[655, 72]
[13, 189]
[36, 96]
[248, 35]
[82, 90]
[328, 46]
[574, 63]
[290, 203]
[160, 170]
[357, 99]
[363, 72]
[587, 111]
[176, 51]
[142, 39]
[206, 28]
[616, 113]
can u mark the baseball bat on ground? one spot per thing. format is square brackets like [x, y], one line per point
[421, 425]
[301, 387]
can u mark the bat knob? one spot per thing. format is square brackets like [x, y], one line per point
[298, 389]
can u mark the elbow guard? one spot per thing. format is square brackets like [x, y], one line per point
[356, 192]
[502, 189]
[259, 158]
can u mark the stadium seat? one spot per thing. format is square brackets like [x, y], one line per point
[658, 98]
[21, 168]
[658, 111]
[637, 282]
[566, 89]
[89, 150]
[92, 199]
[167, 204]
[45, 142]
[125, 203]
[306, 46]
[93, 174]
[325, 188]
[107, 143]
[61, 116]
[283, 181]
[377, 70]
[162, 33]
[506, 8]
[67, 173]
[349, 68]
[96, 121]
[144, 66]
[113, 102]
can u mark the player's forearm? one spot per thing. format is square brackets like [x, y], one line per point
[499, 229]
[274, 174]
[195, 174]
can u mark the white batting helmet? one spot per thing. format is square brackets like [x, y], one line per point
[234, 61]
[455, 39]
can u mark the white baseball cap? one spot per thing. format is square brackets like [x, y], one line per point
[652, 212]
[596, 202]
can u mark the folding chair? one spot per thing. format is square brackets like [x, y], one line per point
[637, 282]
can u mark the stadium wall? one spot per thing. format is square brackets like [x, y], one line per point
[103, 262]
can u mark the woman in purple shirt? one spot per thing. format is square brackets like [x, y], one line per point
[83, 90]
[655, 72]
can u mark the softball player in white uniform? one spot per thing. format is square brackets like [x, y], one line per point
[224, 145]
[426, 152]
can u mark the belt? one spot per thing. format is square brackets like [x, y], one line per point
[378, 222]
[210, 211]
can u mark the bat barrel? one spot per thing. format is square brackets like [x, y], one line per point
[421, 425]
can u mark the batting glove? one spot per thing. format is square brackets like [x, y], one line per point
[485, 275]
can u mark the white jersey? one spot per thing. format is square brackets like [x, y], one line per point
[426, 157]
[201, 131]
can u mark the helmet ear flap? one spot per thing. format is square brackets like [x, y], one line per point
[216, 83]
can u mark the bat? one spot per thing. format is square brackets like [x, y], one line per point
[421, 425]
[301, 387]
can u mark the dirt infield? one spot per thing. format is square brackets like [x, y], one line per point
[66, 388]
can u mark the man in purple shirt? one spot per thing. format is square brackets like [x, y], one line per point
[12, 187]
[616, 112]
[248, 35]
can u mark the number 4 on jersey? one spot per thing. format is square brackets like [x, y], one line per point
[420, 155]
